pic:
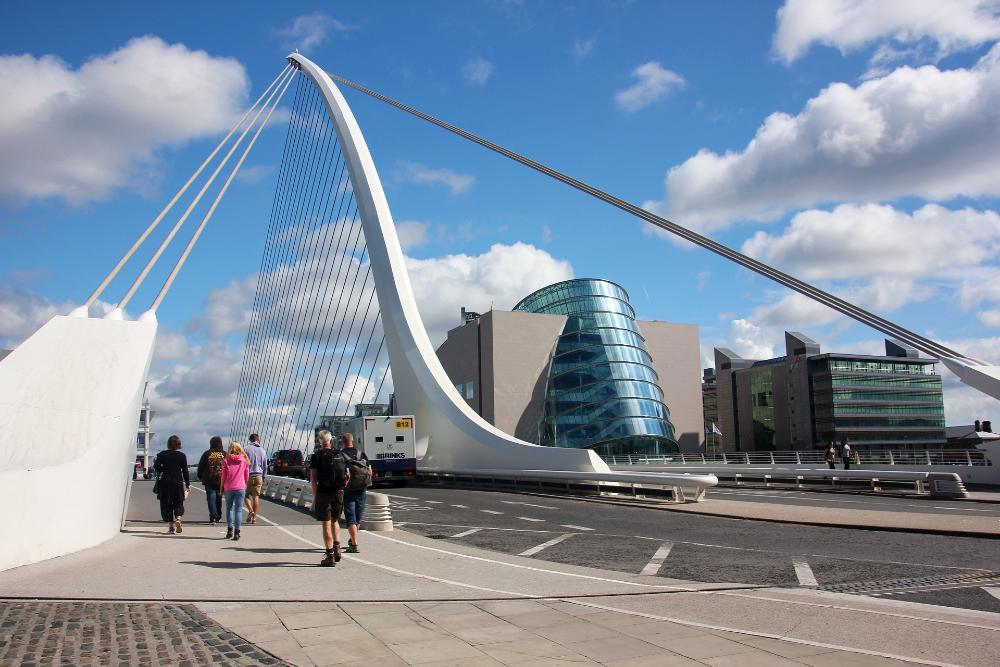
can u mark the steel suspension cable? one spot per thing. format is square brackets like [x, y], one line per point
[354, 350]
[286, 320]
[364, 355]
[273, 256]
[247, 345]
[258, 323]
[187, 212]
[166, 209]
[215, 204]
[836, 303]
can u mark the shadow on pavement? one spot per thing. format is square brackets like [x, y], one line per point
[241, 566]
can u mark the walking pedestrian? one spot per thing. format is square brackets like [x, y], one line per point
[210, 474]
[258, 468]
[235, 474]
[831, 455]
[328, 476]
[172, 473]
[359, 478]
[845, 453]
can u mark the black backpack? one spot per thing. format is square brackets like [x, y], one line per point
[360, 475]
[331, 469]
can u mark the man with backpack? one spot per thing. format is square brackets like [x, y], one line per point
[328, 477]
[359, 478]
[210, 474]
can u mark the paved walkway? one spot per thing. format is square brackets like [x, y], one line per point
[407, 599]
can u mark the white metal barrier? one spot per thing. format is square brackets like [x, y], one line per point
[935, 484]
[298, 492]
[685, 487]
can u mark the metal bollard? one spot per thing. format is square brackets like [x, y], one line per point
[377, 515]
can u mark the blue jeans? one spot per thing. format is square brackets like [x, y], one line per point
[214, 502]
[354, 506]
[234, 507]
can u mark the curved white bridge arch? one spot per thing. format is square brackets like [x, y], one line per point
[450, 435]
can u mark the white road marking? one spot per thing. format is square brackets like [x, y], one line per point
[653, 566]
[574, 575]
[466, 533]
[569, 525]
[514, 502]
[785, 638]
[993, 590]
[545, 545]
[393, 495]
[434, 502]
[804, 573]
[461, 507]
[491, 512]
[528, 518]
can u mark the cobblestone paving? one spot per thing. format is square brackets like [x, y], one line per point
[93, 633]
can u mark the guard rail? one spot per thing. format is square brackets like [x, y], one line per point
[681, 486]
[934, 484]
[891, 457]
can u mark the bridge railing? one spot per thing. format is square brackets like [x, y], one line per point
[890, 457]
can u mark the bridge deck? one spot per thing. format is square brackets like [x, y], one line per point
[414, 599]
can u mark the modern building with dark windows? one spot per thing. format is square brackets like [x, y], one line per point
[807, 398]
[571, 366]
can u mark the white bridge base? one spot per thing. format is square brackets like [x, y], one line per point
[69, 408]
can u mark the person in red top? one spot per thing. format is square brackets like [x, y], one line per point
[235, 473]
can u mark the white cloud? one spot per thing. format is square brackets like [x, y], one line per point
[477, 71]
[412, 233]
[990, 318]
[500, 277]
[653, 83]
[921, 132]
[582, 48]
[310, 30]
[854, 241]
[849, 25]
[80, 134]
[418, 173]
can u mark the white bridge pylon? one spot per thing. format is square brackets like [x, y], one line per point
[450, 435]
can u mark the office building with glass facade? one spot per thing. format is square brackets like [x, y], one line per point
[806, 398]
[571, 366]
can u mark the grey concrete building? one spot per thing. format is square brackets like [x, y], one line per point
[499, 362]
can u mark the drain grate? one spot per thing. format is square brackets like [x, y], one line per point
[890, 585]
[438, 537]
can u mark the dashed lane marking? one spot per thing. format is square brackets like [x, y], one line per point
[571, 526]
[653, 566]
[528, 518]
[466, 533]
[461, 507]
[804, 573]
[514, 502]
[545, 545]
[490, 512]
[434, 502]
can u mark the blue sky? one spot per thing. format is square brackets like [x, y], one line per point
[849, 143]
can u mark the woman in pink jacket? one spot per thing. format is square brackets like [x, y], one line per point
[235, 473]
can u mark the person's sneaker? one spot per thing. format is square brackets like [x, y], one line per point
[351, 548]
[179, 529]
[171, 530]
[336, 552]
[236, 536]
[328, 561]
[229, 533]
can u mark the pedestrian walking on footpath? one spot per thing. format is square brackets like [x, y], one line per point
[831, 455]
[328, 476]
[845, 453]
[258, 469]
[235, 474]
[173, 483]
[359, 478]
[210, 475]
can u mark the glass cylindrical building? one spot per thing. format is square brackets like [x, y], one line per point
[602, 392]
